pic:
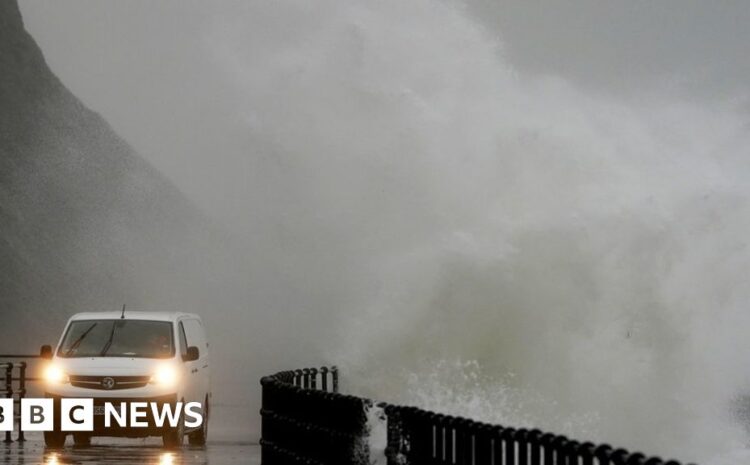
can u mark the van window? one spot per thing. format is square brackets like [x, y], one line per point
[183, 341]
[118, 338]
[195, 335]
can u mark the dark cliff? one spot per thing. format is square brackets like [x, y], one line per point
[85, 222]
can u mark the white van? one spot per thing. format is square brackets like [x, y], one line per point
[125, 357]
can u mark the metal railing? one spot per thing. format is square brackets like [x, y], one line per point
[306, 423]
[10, 373]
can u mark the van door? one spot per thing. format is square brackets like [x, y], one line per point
[188, 387]
[199, 372]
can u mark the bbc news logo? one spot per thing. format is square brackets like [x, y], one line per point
[79, 414]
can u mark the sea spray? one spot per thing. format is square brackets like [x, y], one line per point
[424, 202]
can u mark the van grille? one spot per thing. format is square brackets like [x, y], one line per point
[104, 383]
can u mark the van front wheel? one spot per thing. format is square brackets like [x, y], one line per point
[173, 437]
[54, 439]
[81, 439]
[198, 438]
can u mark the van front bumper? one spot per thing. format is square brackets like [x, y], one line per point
[114, 429]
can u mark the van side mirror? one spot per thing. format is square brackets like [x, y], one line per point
[192, 354]
[46, 352]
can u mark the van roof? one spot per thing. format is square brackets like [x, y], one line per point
[133, 315]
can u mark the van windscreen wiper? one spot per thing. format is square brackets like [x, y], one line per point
[109, 341]
[78, 341]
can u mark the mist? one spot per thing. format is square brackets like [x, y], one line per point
[453, 226]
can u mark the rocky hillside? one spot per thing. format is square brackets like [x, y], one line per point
[85, 222]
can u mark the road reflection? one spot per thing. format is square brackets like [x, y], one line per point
[118, 454]
[33, 452]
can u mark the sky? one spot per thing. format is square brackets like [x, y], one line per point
[148, 66]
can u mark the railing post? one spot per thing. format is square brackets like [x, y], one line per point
[335, 381]
[306, 378]
[440, 433]
[560, 445]
[497, 444]
[393, 435]
[313, 378]
[463, 444]
[509, 436]
[572, 452]
[586, 451]
[265, 455]
[603, 453]
[420, 435]
[362, 456]
[534, 438]
[21, 395]
[549, 450]
[450, 439]
[9, 394]
[619, 457]
[324, 379]
[483, 446]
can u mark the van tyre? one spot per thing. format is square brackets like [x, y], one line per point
[173, 437]
[81, 439]
[199, 438]
[54, 439]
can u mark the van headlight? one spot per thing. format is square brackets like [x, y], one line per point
[53, 374]
[165, 376]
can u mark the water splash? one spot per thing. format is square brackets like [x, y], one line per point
[431, 203]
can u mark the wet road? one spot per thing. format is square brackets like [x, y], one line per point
[115, 451]
[229, 444]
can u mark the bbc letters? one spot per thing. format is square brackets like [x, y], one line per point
[79, 414]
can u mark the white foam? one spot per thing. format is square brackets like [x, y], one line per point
[491, 243]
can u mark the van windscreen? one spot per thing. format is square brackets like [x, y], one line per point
[118, 338]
